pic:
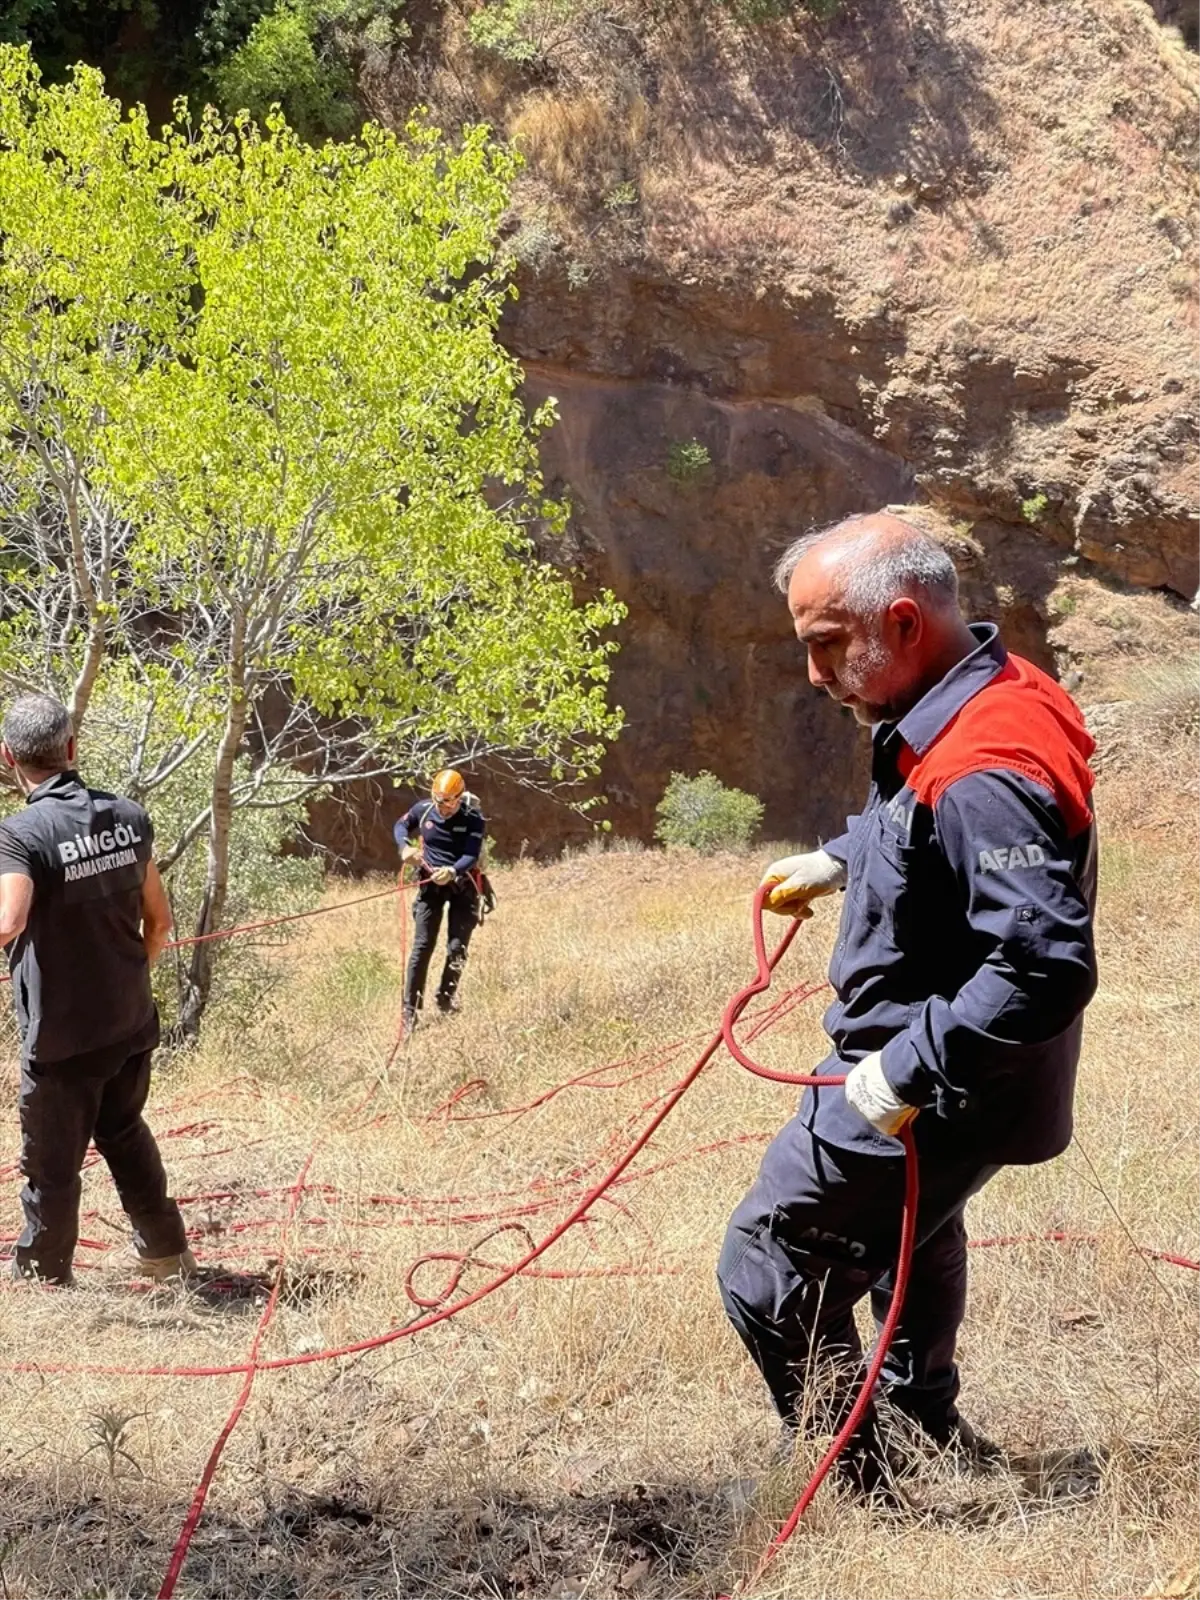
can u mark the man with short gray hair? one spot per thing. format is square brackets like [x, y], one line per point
[964, 962]
[83, 915]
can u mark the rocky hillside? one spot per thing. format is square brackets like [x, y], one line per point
[780, 266]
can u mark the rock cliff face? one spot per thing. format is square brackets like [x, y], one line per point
[941, 251]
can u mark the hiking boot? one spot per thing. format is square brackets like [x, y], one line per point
[971, 1449]
[867, 1471]
[447, 1005]
[180, 1268]
[864, 1468]
[957, 1442]
[35, 1279]
[408, 1026]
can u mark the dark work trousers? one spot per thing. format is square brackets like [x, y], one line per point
[62, 1109]
[818, 1230]
[461, 902]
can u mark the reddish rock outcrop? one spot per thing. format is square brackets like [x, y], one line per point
[942, 249]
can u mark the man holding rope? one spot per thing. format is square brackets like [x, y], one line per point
[83, 916]
[963, 966]
[443, 837]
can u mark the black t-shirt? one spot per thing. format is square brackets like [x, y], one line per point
[80, 978]
[455, 841]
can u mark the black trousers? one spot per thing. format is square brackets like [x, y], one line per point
[816, 1233]
[461, 903]
[64, 1105]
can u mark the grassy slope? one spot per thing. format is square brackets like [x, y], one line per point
[564, 1437]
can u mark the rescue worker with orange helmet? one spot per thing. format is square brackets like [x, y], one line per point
[444, 837]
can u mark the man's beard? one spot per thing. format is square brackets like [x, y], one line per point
[871, 668]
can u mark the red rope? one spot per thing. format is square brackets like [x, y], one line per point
[255, 927]
[908, 1233]
[196, 1509]
[576, 1214]
[437, 1308]
[275, 922]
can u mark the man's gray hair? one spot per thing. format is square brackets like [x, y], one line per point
[908, 561]
[37, 731]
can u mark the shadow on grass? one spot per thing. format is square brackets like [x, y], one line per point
[662, 1542]
[483, 1547]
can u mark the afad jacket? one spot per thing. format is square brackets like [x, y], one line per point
[966, 952]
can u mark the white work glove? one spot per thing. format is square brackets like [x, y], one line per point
[443, 875]
[800, 879]
[409, 852]
[873, 1097]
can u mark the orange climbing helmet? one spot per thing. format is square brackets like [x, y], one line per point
[448, 784]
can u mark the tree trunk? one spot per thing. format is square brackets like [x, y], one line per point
[198, 984]
[93, 655]
[94, 601]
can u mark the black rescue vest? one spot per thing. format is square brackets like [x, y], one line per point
[80, 978]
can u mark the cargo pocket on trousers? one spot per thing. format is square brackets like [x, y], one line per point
[736, 1253]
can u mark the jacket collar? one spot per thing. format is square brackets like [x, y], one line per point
[58, 784]
[937, 706]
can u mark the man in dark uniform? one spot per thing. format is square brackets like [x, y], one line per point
[83, 914]
[964, 963]
[449, 841]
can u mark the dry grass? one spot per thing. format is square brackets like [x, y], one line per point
[582, 141]
[594, 1436]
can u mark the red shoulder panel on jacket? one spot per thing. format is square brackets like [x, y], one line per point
[1021, 722]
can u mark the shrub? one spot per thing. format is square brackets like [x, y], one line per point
[1033, 508]
[303, 54]
[705, 815]
[281, 60]
[522, 31]
[687, 459]
[535, 241]
[584, 143]
[623, 194]
[1168, 693]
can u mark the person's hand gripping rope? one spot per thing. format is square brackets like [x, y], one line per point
[795, 881]
[440, 875]
[873, 1097]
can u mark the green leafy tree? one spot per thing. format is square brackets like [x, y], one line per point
[304, 55]
[703, 814]
[264, 430]
[138, 43]
[313, 57]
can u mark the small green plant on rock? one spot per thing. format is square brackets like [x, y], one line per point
[687, 460]
[1034, 508]
[623, 195]
[703, 814]
[535, 241]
